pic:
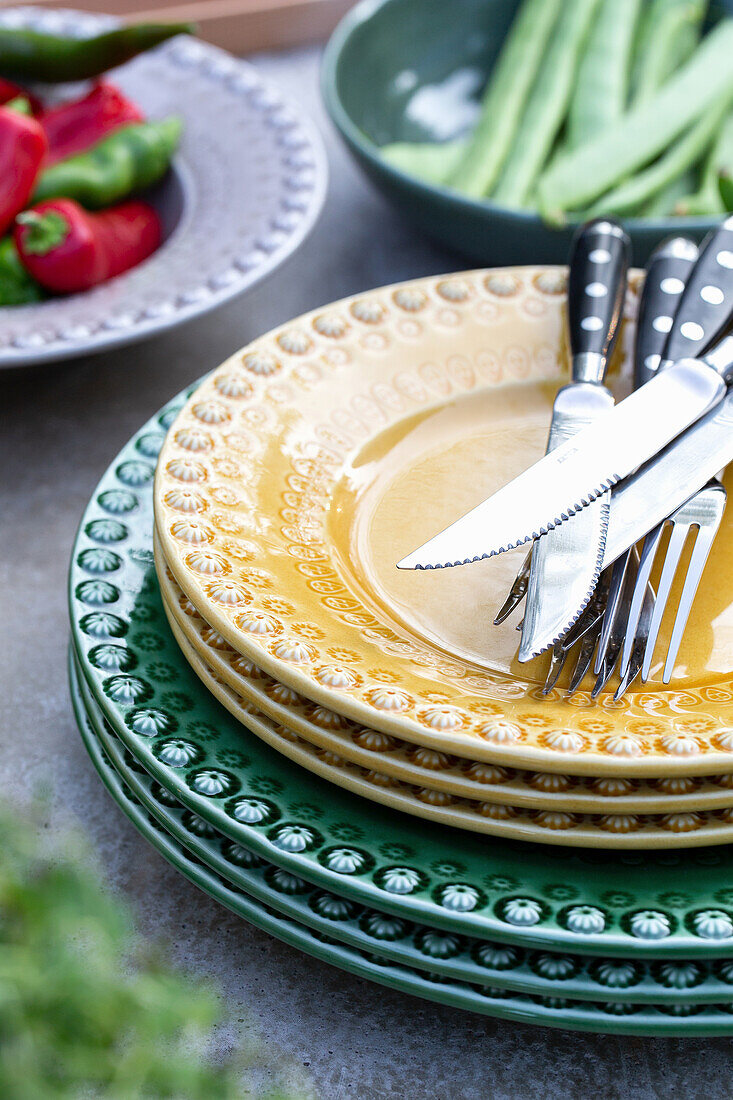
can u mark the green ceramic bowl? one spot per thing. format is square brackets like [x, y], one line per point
[411, 70]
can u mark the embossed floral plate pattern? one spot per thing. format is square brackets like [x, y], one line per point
[652, 904]
[676, 1018]
[302, 469]
[388, 756]
[478, 961]
[251, 180]
[612, 830]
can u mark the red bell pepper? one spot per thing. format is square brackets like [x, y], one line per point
[67, 249]
[9, 91]
[73, 127]
[23, 146]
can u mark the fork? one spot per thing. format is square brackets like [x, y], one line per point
[604, 627]
[700, 317]
[679, 296]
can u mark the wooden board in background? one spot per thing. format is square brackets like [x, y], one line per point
[240, 26]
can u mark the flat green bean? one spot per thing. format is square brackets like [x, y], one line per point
[547, 104]
[601, 88]
[504, 97]
[665, 202]
[675, 32]
[430, 161]
[669, 30]
[706, 199]
[581, 176]
[631, 195]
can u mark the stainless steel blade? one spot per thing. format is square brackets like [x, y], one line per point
[579, 471]
[667, 481]
[566, 563]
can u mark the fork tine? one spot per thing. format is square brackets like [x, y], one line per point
[640, 640]
[618, 573]
[557, 663]
[700, 553]
[585, 657]
[615, 630]
[675, 546]
[517, 592]
[646, 561]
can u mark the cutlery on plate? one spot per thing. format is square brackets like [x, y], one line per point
[632, 617]
[565, 565]
[701, 515]
[617, 443]
[605, 626]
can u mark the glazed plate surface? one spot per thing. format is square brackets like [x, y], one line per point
[656, 904]
[338, 738]
[309, 463]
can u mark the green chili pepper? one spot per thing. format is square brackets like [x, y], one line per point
[17, 288]
[32, 55]
[127, 161]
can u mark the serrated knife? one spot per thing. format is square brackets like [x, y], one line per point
[566, 563]
[605, 453]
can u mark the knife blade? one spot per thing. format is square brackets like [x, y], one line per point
[668, 481]
[579, 471]
[566, 563]
[599, 456]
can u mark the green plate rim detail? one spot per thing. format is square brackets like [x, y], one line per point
[520, 977]
[458, 995]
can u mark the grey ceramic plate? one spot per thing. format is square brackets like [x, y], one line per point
[247, 186]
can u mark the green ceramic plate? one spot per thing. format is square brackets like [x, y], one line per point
[410, 70]
[670, 1019]
[635, 904]
[457, 957]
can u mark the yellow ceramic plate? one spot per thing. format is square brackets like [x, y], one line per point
[423, 767]
[687, 830]
[303, 468]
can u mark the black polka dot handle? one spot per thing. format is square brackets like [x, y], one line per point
[599, 263]
[705, 308]
[667, 273]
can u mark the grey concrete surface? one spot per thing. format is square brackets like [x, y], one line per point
[61, 425]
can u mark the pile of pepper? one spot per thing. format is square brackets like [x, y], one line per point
[70, 174]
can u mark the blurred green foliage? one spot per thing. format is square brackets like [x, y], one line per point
[85, 1008]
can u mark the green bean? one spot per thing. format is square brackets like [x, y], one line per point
[504, 97]
[669, 30]
[546, 105]
[583, 175]
[676, 31]
[630, 195]
[665, 202]
[706, 199]
[603, 76]
[430, 161]
[726, 190]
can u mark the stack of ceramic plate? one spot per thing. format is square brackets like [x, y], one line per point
[288, 484]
